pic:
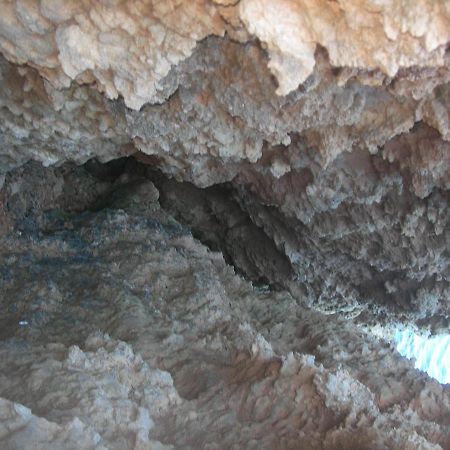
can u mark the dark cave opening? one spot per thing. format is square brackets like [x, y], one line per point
[33, 196]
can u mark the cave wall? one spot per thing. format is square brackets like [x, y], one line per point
[329, 119]
[305, 143]
[120, 330]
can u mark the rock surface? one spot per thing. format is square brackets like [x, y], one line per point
[305, 140]
[122, 331]
[349, 180]
[128, 47]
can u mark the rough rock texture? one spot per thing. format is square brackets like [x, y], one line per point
[371, 264]
[385, 35]
[307, 140]
[121, 331]
[128, 47]
[350, 181]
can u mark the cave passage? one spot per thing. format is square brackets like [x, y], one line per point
[114, 307]
[224, 225]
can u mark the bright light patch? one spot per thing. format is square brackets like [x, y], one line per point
[432, 354]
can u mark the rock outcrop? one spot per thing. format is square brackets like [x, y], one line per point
[357, 174]
[128, 48]
[306, 141]
[122, 331]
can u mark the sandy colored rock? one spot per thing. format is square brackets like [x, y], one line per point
[129, 47]
[124, 328]
[126, 47]
[363, 34]
[306, 142]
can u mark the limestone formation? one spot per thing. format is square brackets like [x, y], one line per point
[306, 143]
[129, 47]
[122, 331]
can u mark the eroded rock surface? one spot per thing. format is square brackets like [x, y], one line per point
[122, 331]
[128, 47]
[349, 180]
[306, 140]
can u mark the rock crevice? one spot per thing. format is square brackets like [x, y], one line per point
[304, 142]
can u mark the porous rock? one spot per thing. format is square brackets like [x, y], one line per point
[305, 140]
[123, 331]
